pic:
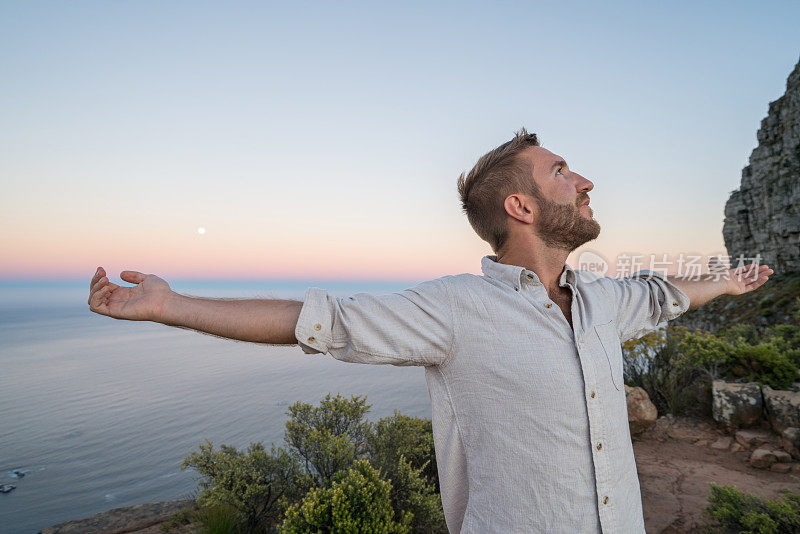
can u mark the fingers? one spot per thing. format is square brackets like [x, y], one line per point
[99, 297]
[97, 286]
[759, 278]
[134, 277]
[100, 288]
[99, 273]
[752, 272]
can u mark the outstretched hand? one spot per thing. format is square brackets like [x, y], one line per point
[742, 279]
[142, 302]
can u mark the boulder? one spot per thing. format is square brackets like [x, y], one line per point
[780, 468]
[782, 457]
[722, 444]
[782, 407]
[736, 405]
[790, 441]
[762, 458]
[751, 438]
[642, 413]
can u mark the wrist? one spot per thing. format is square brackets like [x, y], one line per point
[167, 309]
[729, 284]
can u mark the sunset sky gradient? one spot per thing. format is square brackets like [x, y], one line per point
[322, 140]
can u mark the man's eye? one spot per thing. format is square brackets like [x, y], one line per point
[559, 170]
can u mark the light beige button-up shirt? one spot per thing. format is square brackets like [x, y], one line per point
[529, 414]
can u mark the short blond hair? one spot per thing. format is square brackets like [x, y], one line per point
[497, 174]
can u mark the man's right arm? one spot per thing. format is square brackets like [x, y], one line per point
[414, 326]
[255, 320]
[270, 321]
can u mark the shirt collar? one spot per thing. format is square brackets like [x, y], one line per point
[516, 276]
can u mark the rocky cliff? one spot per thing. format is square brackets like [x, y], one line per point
[762, 218]
[763, 215]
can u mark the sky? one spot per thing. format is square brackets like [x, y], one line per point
[253, 140]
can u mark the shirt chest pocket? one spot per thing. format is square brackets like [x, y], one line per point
[612, 351]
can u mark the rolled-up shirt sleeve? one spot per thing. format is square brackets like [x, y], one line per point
[409, 327]
[644, 300]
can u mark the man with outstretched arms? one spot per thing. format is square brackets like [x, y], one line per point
[523, 363]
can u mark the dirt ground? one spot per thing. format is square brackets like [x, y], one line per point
[676, 463]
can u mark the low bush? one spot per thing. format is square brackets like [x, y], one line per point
[739, 354]
[309, 485]
[328, 438]
[764, 363]
[357, 500]
[400, 435]
[255, 484]
[651, 362]
[219, 519]
[736, 511]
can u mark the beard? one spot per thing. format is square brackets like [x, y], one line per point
[563, 226]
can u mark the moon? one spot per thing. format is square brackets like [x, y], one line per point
[201, 230]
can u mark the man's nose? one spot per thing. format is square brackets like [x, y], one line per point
[582, 184]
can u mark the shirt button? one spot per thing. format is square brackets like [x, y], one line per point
[548, 304]
[317, 327]
[675, 303]
[591, 394]
[599, 446]
[311, 339]
[530, 277]
[605, 499]
[516, 289]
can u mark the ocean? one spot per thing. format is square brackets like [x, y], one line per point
[98, 413]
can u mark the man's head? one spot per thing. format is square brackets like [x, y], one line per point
[520, 187]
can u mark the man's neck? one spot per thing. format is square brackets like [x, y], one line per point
[546, 262]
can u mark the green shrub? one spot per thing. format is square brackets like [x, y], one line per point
[650, 362]
[787, 338]
[356, 501]
[706, 353]
[411, 494]
[738, 354]
[736, 511]
[400, 435]
[743, 332]
[256, 484]
[402, 450]
[219, 519]
[329, 438]
[763, 363]
[323, 444]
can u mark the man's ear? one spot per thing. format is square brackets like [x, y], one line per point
[520, 207]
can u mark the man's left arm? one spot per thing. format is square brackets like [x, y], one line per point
[646, 299]
[701, 289]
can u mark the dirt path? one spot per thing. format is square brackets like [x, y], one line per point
[676, 463]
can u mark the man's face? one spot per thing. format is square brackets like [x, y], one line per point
[564, 219]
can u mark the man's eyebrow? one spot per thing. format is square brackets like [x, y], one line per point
[559, 163]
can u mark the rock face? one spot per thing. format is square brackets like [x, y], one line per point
[642, 413]
[736, 405]
[763, 215]
[782, 407]
[118, 520]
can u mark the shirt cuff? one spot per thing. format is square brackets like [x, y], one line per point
[313, 330]
[675, 302]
